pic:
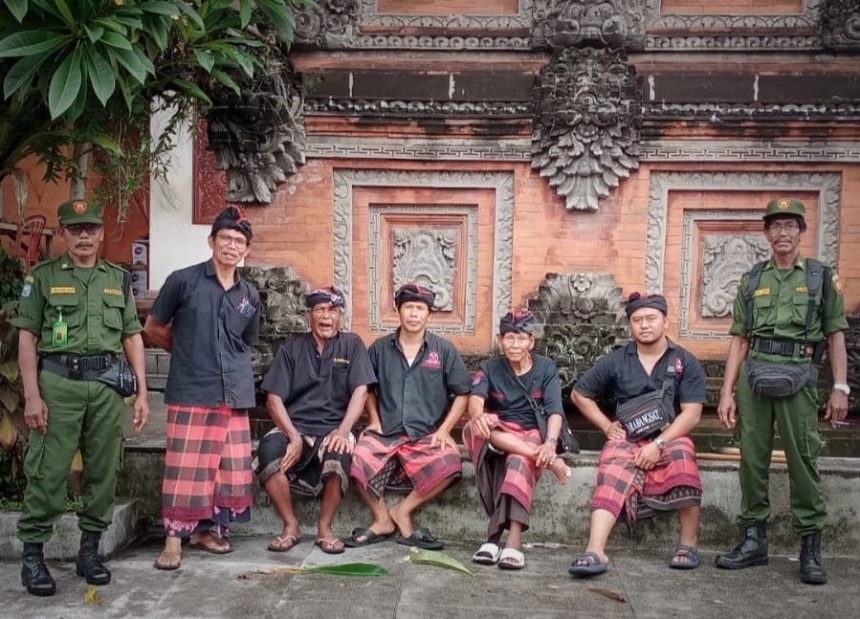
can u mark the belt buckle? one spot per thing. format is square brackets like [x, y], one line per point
[73, 365]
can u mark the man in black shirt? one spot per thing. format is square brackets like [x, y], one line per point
[409, 432]
[317, 387]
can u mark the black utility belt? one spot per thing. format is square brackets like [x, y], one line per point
[786, 348]
[77, 367]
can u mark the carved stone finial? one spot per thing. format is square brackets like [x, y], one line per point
[582, 317]
[586, 130]
[840, 25]
[616, 24]
[328, 23]
[260, 141]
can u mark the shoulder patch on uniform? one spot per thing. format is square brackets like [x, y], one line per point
[27, 290]
[761, 292]
[113, 291]
[63, 290]
[836, 283]
[29, 279]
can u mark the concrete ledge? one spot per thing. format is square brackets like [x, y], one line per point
[66, 539]
[561, 513]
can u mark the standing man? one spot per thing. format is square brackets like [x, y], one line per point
[659, 471]
[317, 387]
[787, 312]
[75, 317]
[207, 317]
[409, 432]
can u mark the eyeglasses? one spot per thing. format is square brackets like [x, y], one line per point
[225, 240]
[77, 229]
[775, 227]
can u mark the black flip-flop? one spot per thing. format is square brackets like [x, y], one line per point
[370, 537]
[595, 565]
[421, 538]
[694, 558]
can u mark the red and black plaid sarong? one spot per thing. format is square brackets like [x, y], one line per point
[426, 467]
[519, 475]
[674, 483]
[208, 463]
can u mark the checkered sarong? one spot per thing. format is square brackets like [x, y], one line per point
[207, 467]
[674, 483]
[425, 466]
[520, 474]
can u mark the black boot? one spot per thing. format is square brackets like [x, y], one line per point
[34, 573]
[88, 563]
[811, 570]
[752, 551]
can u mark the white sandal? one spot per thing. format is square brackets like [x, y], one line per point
[488, 554]
[512, 559]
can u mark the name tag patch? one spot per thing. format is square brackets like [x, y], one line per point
[63, 290]
[116, 292]
[340, 360]
[801, 289]
[762, 292]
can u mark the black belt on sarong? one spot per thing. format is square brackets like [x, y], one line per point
[77, 367]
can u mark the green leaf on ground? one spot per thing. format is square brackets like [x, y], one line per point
[439, 559]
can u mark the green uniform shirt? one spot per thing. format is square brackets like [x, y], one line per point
[99, 313]
[781, 302]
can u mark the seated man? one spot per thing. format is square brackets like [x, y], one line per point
[317, 386]
[658, 473]
[416, 372]
[506, 443]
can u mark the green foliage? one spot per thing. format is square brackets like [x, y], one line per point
[11, 276]
[80, 72]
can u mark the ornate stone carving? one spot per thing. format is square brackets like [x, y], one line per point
[427, 257]
[260, 141]
[435, 149]
[748, 151]
[410, 109]
[717, 113]
[501, 182]
[617, 24]
[282, 296]
[586, 128]
[840, 25]
[826, 184]
[852, 347]
[328, 23]
[725, 259]
[582, 318]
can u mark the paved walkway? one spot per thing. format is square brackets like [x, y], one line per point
[637, 585]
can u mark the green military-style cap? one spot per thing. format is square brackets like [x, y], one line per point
[79, 212]
[785, 206]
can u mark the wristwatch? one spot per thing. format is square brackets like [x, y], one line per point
[661, 443]
[842, 387]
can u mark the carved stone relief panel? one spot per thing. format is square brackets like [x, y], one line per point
[726, 257]
[840, 25]
[617, 24]
[586, 130]
[426, 256]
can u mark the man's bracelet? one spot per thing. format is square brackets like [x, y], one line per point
[553, 440]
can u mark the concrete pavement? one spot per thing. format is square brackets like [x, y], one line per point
[638, 585]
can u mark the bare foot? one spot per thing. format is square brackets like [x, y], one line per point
[403, 522]
[561, 470]
[171, 557]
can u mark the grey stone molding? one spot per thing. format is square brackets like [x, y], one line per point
[501, 182]
[747, 151]
[718, 113]
[436, 262]
[408, 109]
[616, 24]
[840, 25]
[586, 130]
[456, 149]
[828, 186]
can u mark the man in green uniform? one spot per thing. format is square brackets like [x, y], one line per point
[780, 326]
[75, 316]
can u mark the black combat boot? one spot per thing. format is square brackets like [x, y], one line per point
[811, 570]
[34, 573]
[752, 551]
[88, 563]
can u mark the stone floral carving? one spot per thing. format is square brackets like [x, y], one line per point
[328, 23]
[840, 24]
[260, 141]
[615, 24]
[427, 257]
[582, 318]
[725, 259]
[586, 129]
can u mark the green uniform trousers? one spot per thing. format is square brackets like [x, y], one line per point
[88, 414]
[797, 419]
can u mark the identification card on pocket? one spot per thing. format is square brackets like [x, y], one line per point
[60, 334]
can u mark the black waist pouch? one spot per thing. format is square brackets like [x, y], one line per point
[778, 380]
[120, 377]
[644, 415]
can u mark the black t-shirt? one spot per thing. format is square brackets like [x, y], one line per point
[496, 382]
[316, 387]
